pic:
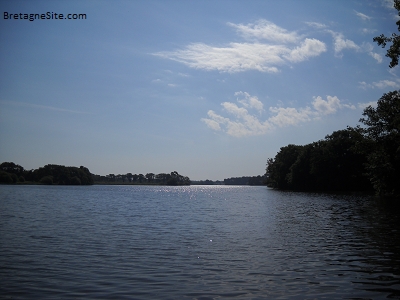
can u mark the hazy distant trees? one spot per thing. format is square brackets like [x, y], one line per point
[11, 173]
[49, 174]
[173, 178]
[245, 180]
[149, 177]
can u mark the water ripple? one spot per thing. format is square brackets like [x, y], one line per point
[198, 242]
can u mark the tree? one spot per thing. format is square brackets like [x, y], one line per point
[129, 176]
[135, 177]
[12, 168]
[332, 164]
[394, 50]
[5, 177]
[383, 134]
[150, 177]
[141, 178]
[279, 168]
[46, 180]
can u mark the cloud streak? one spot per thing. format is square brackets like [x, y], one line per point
[24, 104]
[267, 47]
[265, 30]
[382, 84]
[242, 123]
[362, 16]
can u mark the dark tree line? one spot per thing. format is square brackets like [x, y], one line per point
[49, 174]
[354, 159]
[332, 164]
[173, 178]
[245, 180]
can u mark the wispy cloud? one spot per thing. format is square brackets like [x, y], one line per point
[25, 104]
[316, 25]
[242, 123]
[362, 16]
[388, 4]
[376, 56]
[265, 30]
[267, 47]
[308, 48]
[365, 105]
[382, 84]
[341, 43]
[368, 30]
[249, 101]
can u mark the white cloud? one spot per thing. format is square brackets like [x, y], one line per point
[250, 101]
[243, 123]
[234, 58]
[386, 83]
[365, 105]
[213, 124]
[308, 48]
[362, 16]
[326, 107]
[329, 106]
[316, 25]
[289, 115]
[340, 43]
[382, 84]
[256, 55]
[376, 56]
[388, 4]
[368, 30]
[265, 30]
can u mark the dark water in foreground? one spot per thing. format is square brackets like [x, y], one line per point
[198, 242]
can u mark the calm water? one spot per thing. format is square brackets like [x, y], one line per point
[198, 242]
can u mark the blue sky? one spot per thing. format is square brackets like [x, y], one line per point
[210, 89]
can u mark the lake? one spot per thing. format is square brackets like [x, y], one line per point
[195, 242]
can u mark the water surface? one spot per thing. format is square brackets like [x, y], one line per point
[197, 242]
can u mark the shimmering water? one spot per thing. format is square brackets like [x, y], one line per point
[197, 242]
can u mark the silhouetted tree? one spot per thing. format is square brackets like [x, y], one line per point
[383, 134]
[150, 177]
[394, 50]
[129, 176]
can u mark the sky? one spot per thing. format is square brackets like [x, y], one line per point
[210, 89]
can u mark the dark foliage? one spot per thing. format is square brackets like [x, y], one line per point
[354, 159]
[332, 164]
[278, 169]
[173, 178]
[245, 180]
[49, 174]
[394, 50]
[5, 178]
[382, 146]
